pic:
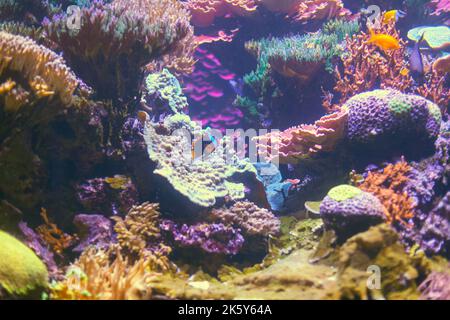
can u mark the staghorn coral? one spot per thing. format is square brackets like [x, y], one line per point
[42, 73]
[22, 273]
[54, 237]
[347, 210]
[94, 277]
[139, 229]
[248, 217]
[312, 10]
[365, 66]
[115, 41]
[387, 186]
[304, 141]
[204, 12]
[212, 238]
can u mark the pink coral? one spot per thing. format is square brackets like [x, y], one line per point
[205, 11]
[305, 140]
[309, 10]
[441, 7]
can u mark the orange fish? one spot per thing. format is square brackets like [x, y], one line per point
[383, 41]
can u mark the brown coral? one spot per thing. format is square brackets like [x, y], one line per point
[249, 217]
[387, 186]
[44, 72]
[139, 228]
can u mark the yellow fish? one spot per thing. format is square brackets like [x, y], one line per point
[404, 72]
[383, 41]
[393, 16]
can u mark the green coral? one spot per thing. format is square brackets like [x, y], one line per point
[436, 37]
[435, 112]
[169, 89]
[400, 107]
[202, 181]
[22, 273]
[343, 192]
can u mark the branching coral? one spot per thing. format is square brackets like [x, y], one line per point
[387, 186]
[139, 229]
[365, 66]
[249, 217]
[116, 40]
[310, 10]
[42, 73]
[304, 141]
[441, 7]
[94, 277]
[204, 12]
[54, 237]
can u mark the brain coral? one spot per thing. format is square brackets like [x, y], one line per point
[388, 115]
[21, 271]
[348, 210]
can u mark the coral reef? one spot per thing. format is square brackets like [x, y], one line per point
[311, 10]
[115, 41]
[92, 230]
[436, 287]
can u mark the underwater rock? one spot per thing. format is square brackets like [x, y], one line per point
[22, 274]
[348, 210]
[378, 252]
[387, 121]
[93, 230]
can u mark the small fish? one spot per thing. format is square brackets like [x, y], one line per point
[383, 41]
[393, 16]
[415, 59]
[237, 85]
[404, 72]
[143, 116]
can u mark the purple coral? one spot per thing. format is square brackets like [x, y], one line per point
[97, 195]
[93, 229]
[388, 115]
[212, 238]
[435, 233]
[33, 240]
[436, 287]
[348, 210]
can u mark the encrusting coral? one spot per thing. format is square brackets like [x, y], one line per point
[249, 217]
[22, 273]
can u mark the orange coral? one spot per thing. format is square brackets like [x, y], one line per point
[365, 65]
[205, 11]
[56, 239]
[387, 186]
[303, 141]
